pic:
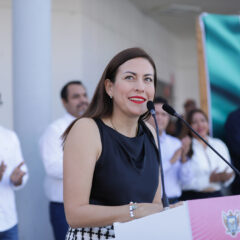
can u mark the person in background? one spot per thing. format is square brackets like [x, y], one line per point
[13, 176]
[173, 153]
[232, 135]
[209, 172]
[111, 165]
[180, 129]
[75, 101]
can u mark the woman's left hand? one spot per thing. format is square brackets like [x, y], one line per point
[225, 176]
[220, 176]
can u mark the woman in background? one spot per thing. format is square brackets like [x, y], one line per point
[111, 168]
[209, 172]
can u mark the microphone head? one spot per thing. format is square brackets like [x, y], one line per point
[150, 107]
[168, 109]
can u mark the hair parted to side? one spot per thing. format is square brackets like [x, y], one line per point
[101, 105]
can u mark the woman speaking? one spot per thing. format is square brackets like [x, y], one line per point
[111, 167]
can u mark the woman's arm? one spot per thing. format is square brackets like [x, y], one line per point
[225, 174]
[81, 151]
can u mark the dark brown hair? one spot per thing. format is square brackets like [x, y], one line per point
[101, 105]
[64, 91]
[189, 119]
[192, 112]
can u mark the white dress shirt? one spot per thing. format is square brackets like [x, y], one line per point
[11, 155]
[203, 162]
[52, 156]
[172, 178]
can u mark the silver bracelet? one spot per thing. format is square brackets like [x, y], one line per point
[132, 208]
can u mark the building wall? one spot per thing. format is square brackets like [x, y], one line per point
[186, 70]
[6, 109]
[87, 34]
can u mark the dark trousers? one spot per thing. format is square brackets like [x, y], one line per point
[10, 234]
[190, 195]
[58, 220]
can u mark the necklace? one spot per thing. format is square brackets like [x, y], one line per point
[113, 125]
[119, 131]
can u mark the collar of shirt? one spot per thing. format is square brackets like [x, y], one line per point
[198, 143]
[69, 117]
[163, 136]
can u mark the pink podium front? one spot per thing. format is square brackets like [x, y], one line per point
[206, 219]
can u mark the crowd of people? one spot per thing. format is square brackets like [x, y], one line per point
[101, 158]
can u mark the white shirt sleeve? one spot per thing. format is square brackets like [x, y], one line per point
[166, 166]
[225, 153]
[168, 149]
[51, 151]
[184, 173]
[192, 178]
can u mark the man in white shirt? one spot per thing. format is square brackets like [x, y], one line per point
[75, 100]
[173, 152]
[13, 176]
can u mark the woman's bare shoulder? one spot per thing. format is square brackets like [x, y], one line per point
[85, 125]
[85, 129]
[84, 139]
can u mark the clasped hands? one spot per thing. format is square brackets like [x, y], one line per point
[220, 176]
[16, 176]
[182, 151]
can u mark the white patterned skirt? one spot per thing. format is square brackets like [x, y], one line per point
[91, 233]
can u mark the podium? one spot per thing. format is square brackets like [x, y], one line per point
[205, 219]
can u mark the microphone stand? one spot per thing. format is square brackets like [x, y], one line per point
[189, 126]
[165, 200]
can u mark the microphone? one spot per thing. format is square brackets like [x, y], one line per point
[172, 112]
[169, 110]
[151, 109]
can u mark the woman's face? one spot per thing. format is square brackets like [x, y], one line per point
[200, 124]
[133, 87]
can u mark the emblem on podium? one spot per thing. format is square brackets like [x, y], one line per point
[231, 222]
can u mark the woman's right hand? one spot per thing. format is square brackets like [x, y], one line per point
[220, 176]
[186, 143]
[145, 209]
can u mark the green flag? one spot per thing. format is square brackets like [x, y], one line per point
[221, 40]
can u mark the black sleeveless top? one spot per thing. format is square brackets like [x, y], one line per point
[127, 169]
